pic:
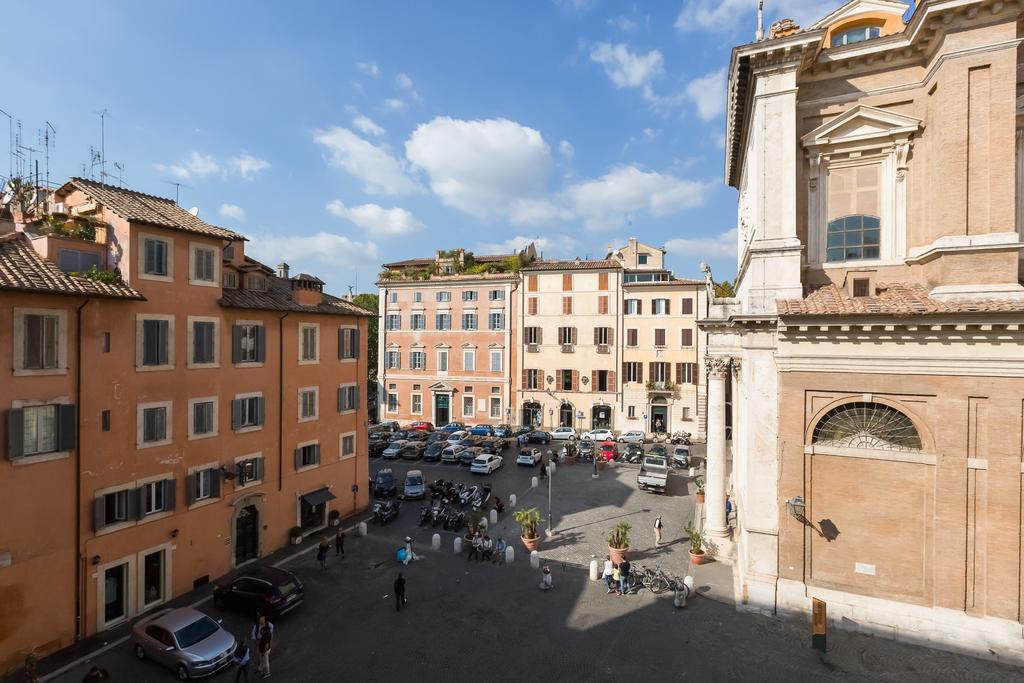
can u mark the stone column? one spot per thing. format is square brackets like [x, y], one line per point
[716, 525]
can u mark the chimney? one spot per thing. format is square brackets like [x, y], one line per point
[282, 270]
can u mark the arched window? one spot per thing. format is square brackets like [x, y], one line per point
[855, 35]
[853, 238]
[867, 425]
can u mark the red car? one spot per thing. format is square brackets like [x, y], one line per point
[422, 425]
[609, 451]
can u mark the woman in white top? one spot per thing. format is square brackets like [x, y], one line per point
[609, 568]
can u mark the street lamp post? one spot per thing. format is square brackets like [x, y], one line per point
[551, 471]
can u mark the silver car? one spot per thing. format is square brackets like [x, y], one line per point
[185, 640]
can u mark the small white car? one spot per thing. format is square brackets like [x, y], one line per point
[529, 456]
[485, 464]
[681, 456]
[599, 435]
[452, 453]
[457, 437]
[632, 436]
[563, 434]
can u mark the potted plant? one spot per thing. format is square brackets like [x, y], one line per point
[295, 535]
[474, 523]
[528, 520]
[699, 483]
[697, 554]
[618, 542]
[334, 518]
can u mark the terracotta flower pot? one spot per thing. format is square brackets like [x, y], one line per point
[601, 464]
[698, 557]
[700, 496]
[617, 555]
[530, 544]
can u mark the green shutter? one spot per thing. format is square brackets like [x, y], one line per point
[15, 433]
[66, 424]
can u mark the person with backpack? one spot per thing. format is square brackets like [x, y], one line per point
[263, 629]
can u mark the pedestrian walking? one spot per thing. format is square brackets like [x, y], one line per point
[321, 552]
[262, 630]
[241, 657]
[546, 582]
[499, 551]
[339, 542]
[609, 570]
[544, 470]
[399, 592]
[623, 576]
[657, 531]
[475, 547]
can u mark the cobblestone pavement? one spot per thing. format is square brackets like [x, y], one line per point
[473, 621]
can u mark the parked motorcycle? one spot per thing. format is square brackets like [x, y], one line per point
[455, 520]
[467, 494]
[681, 438]
[385, 511]
[424, 514]
[482, 496]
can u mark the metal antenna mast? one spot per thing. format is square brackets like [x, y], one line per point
[177, 186]
[48, 136]
[103, 145]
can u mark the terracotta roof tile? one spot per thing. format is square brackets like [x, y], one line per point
[278, 297]
[23, 269]
[574, 264]
[892, 299]
[150, 209]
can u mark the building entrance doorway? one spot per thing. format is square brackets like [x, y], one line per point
[153, 568]
[247, 534]
[115, 593]
[601, 417]
[531, 414]
[442, 409]
[659, 418]
[565, 415]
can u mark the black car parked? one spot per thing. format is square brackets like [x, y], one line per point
[522, 429]
[538, 437]
[433, 451]
[268, 590]
[384, 484]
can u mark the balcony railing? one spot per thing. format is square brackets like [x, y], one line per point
[661, 387]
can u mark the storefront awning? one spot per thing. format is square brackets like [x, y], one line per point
[319, 496]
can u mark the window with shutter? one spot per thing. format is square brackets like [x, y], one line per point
[602, 305]
[155, 257]
[41, 342]
[531, 283]
[203, 342]
[566, 282]
[659, 337]
[531, 305]
[566, 305]
[632, 337]
[687, 306]
[602, 281]
[687, 337]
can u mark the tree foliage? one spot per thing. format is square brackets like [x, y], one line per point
[369, 302]
[725, 288]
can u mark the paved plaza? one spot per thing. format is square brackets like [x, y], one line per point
[474, 621]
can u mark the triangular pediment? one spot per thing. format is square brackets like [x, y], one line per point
[441, 387]
[862, 123]
[467, 345]
[855, 7]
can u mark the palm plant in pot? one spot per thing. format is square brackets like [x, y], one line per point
[528, 520]
[699, 483]
[697, 554]
[618, 542]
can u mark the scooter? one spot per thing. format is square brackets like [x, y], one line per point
[385, 511]
[424, 514]
[467, 494]
[681, 438]
[482, 496]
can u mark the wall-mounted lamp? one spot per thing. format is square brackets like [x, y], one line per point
[95, 559]
[796, 508]
[174, 533]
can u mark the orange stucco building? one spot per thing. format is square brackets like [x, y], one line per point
[165, 429]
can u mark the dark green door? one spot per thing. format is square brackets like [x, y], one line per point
[442, 410]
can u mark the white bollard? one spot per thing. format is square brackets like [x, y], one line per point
[551, 469]
[689, 583]
[435, 542]
[535, 559]
[593, 570]
[692, 473]
[533, 482]
[362, 528]
[510, 555]
[483, 523]
[494, 516]
[512, 501]
[457, 545]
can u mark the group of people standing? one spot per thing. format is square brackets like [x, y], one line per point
[262, 636]
[616, 575]
[323, 550]
[486, 550]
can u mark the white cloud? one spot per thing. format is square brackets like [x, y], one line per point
[197, 165]
[367, 126]
[715, 246]
[327, 251]
[733, 16]
[624, 24]
[577, 5]
[369, 68]
[566, 149]
[248, 166]
[380, 172]
[607, 201]
[232, 211]
[376, 219]
[394, 103]
[537, 212]
[403, 81]
[481, 167]
[708, 93]
[627, 69]
[551, 245]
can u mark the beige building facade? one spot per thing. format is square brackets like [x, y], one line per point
[871, 443]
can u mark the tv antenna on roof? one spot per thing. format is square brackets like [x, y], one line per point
[120, 173]
[47, 137]
[177, 186]
[103, 145]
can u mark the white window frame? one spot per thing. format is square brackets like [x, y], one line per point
[140, 424]
[191, 341]
[169, 246]
[446, 316]
[421, 318]
[469, 360]
[491, 323]
[475, 320]
[496, 295]
[253, 324]
[417, 298]
[341, 445]
[153, 486]
[442, 353]
[500, 355]
[470, 295]
[303, 327]
[243, 429]
[316, 404]
[140, 319]
[215, 256]
[252, 482]
[215, 417]
[417, 359]
[413, 397]
[203, 472]
[19, 342]
[495, 401]
[391, 354]
[354, 409]
[389, 318]
[471, 402]
[443, 296]
[631, 306]
[388, 403]
[659, 306]
[304, 444]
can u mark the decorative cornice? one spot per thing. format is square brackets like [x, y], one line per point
[718, 366]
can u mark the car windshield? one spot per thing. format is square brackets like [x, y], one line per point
[384, 478]
[200, 629]
[286, 589]
[414, 481]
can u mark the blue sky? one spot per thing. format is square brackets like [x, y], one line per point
[342, 135]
